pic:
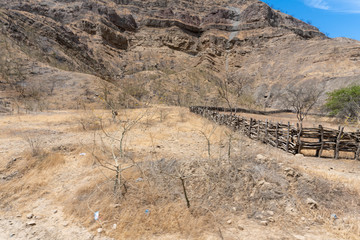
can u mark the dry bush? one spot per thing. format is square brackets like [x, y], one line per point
[214, 188]
[248, 101]
[302, 99]
[88, 121]
[170, 218]
[88, 124]
[149, 119]
[163, 114]
[34, 144]
[183, 115]
[253, 187]
[167, 213]
[207, 132]
[130, 95]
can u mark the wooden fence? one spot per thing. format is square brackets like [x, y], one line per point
[286, 136]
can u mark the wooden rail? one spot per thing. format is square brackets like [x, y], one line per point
[286, 136]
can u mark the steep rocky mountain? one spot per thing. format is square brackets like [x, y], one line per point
[178, 52]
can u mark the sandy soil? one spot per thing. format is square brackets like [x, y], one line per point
[50, 224]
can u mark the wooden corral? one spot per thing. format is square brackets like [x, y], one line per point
[290, 138]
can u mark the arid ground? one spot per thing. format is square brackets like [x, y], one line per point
[57, 170]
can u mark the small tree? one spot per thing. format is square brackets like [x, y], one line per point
[207, 133]
[172, 170]
[230, 135]
[224, 93]
[344, 103]
[117, 139]
[109, 101]
[301, 99]
[231, 89]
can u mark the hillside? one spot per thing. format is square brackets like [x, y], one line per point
[177, 52]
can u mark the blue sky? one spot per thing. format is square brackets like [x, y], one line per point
[336, 18]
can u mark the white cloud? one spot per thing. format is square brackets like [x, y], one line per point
[321, 4]
[346, 6]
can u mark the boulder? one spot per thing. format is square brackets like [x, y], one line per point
[261, 158]
[31, 223]
[312, 203]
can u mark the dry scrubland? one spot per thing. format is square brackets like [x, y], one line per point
[59, 166]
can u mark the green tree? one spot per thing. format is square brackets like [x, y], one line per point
[344, 103]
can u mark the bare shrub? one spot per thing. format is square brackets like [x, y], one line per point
[207, 131]
[144, 212]
[231, 90]
[150, 119]
[259, 189]
[182, 115]
[34, 144]
[88, 121]
[163, 114]
[302, 98]
[118, 162]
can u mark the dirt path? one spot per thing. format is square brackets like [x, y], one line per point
[45, 221]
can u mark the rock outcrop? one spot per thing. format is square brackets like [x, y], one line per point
[192, 44]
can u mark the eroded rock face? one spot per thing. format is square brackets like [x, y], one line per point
[257, 12]
[124, 22]
[221, 16]
[113, 38]
[180, 41]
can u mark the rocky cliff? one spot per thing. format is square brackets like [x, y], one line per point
[178, 52]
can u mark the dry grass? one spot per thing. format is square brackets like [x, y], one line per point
[167, 142]
[232, 184]
[28, 176]
[128, 212]
[51, 161]
[224, 194]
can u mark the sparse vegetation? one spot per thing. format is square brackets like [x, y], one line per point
[119, 161]
[178, 191]
[301, 99]
[34, 144]
[87, 156]
[207, 131]
[89, 121]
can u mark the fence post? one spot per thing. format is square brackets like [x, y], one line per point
[338, 139]
[266, 131]
[299, 128]
[237, 123]
[321, 139]
[250, 125]
[288, 137]
[357, 140]
[277, 134]
[242, 124]
[263, 129]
